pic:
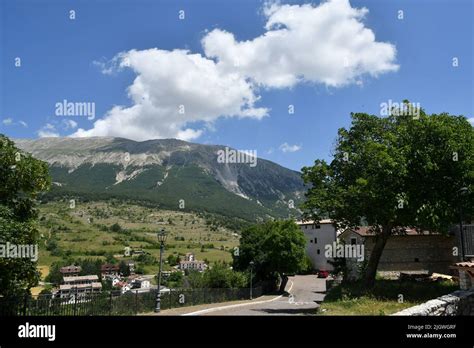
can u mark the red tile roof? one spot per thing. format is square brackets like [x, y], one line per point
[465, 264]
[109, 267]
[70, 269]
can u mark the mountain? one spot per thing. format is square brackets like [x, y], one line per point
[168, 172]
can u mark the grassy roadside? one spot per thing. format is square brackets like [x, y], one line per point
[387, 297]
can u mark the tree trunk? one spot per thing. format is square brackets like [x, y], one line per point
[284, 281]
[379, 245]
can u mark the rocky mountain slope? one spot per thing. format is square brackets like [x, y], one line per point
[173, 173]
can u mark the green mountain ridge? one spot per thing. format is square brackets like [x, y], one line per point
[170, 173]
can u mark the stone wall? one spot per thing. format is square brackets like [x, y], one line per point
[460, 302]
[433, 253]
[465, 281]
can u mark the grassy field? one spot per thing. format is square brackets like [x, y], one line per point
[84, 231]
[387, 297]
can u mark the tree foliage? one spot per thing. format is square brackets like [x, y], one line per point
[395, 172]
[22, 179]
[221, 276]
[275, 247]
[88, 267]
[218, 276]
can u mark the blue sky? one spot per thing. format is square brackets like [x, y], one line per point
[65, 59]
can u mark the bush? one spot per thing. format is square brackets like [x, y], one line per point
[220, 276]
[116, 228]
[173, 260]
[307, 267]
[175, 280]
[146, 259]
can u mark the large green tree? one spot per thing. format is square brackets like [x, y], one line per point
[22, 178]
[395, 172]
[275, 247]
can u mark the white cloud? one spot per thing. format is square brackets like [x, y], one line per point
[285, 147]
[471, 121]
[7, 121]
[173, 89]
[105, 67]
[326, 44]
[48, 131]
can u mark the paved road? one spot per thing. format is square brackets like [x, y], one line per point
[305, 293]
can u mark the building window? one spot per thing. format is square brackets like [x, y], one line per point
[315, 240]
[319, 252]
[417, 259]
[353, 241]
[311, 241]
[316, 226]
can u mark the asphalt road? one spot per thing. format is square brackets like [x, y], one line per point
[304, 294]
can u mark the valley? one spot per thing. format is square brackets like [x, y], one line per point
[103, 229]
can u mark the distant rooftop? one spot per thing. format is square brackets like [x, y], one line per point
[312, 222]
[70, 269]
[366, 231]
[81, 278]
[80, 286]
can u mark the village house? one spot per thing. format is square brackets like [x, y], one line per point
[109, 270]
[123, 286]
[133, 283]
[190, 263]
[318, 235]
[70, 271]
[140, 283]
[408, 250]
[79, 285]
[115, 281]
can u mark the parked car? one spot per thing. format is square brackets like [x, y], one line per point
[323, 274]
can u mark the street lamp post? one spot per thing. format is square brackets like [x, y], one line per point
[162, 239]
[251, 279]
[461, 192]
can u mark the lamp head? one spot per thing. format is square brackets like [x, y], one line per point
[162, 236]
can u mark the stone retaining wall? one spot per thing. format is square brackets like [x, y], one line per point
[460, 302]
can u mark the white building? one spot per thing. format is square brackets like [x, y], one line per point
[79, 285]
[124, 287]
[191, 263]
[318, 235]
[115, 281]
[140, 283]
